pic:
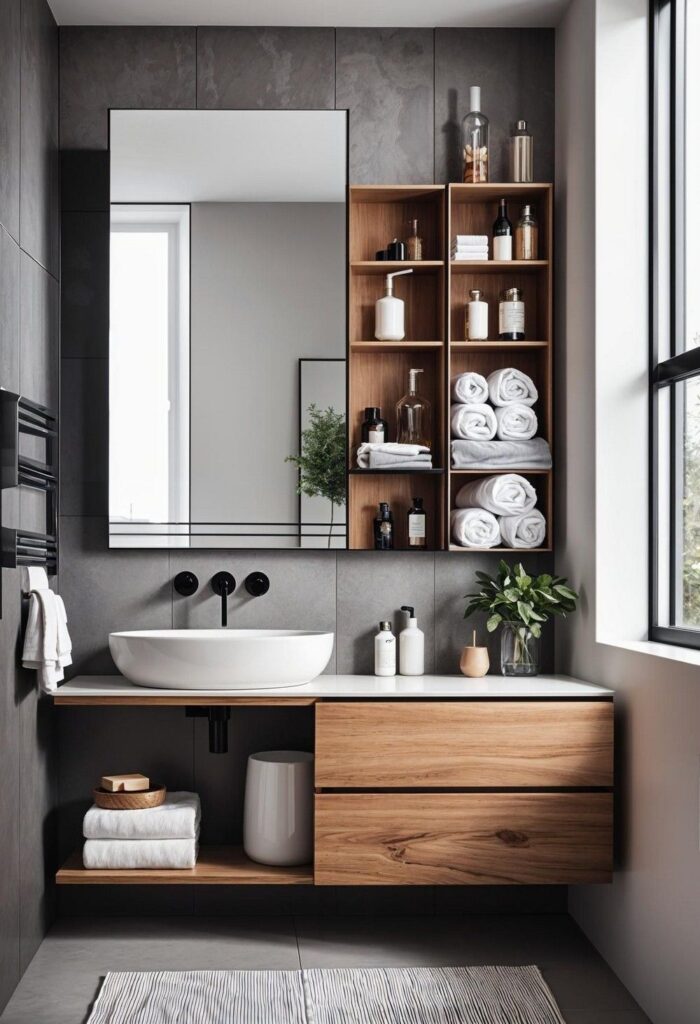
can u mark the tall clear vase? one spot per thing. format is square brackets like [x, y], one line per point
[520, 651]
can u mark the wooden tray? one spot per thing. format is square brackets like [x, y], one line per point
[154, 796]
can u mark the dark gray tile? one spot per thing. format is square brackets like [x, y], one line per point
[500, 899]
[84, 436]
[373, 587]
[84, 180]
[588, 986]
[515, 69]
[455, 577]
[247, 68]
[39, 302]
[124, 901]
[10, 46]
[137, 68]
[85, 284]
[262, 900]
[9, 785]
[9, 311]
[39, 189]
[384, 77]
[108, 590]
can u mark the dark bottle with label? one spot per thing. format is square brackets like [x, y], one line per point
[502, 234]
[375, 430]
[384, 528]
[416, 524]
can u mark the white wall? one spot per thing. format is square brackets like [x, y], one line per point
[647, 923]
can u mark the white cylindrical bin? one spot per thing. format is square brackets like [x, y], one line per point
[278, 809]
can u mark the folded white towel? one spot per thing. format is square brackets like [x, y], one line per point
[477, 422]
[532, 454]
[525, 531]
[516, 423]
[511, 385]
[380, 456]
[470, 388]
[47, 644]
[177, 818]
[470, 240]
[475, 528]
[116, 854]
[505, 495]
[470, 257]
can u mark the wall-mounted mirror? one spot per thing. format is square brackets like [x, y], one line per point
[227, 328]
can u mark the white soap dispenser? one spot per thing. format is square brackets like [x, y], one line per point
[389, 312]
[411, 646]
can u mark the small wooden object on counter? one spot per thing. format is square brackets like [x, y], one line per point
[134, 782]
[154, 796]
[475, 660]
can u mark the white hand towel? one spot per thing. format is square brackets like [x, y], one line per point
[116, 854]
[516, 423]
[47, 646]
[177, 818]
[391, 452]
[470, 389]
[533, 454]
[470, 240]
[525, 531]
[505, 495]
[473, 422]
[475, 528]
[510, 385]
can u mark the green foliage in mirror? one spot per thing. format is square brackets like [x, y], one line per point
[321, 463]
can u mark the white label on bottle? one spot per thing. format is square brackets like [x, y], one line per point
[376, 436]
[511, 318]
[416, 525]
[385, 653]
[503, 247]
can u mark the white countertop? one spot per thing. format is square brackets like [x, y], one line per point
[110, 689]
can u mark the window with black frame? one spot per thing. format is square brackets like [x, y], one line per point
[675, 321]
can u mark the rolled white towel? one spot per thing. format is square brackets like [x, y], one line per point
[525, 531]
[470, 389]
[473, 422]
[507, 494]
[475, 528]
[516, 423]
[510, 385]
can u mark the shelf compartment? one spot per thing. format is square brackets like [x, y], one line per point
[384, 267]
[541, 480]
[474, 208]
[423, 295]
[216, 865]
[380, 214]
[535, 296]
[367, 489]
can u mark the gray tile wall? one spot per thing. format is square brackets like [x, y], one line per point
[405, 90]
[29, 293]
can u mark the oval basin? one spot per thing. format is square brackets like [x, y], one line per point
[220, 659]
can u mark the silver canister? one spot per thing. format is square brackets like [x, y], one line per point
[521, 154]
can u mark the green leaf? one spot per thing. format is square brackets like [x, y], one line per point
[512, 595]
[536, 630]
[524, 582]
[524, 611]
[493, 622]
[565, 592]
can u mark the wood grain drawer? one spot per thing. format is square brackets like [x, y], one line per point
[463, 838]
[460, 744]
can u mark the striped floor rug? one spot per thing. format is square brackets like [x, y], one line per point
[377, 995]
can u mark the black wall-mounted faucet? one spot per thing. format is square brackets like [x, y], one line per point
[223, 584]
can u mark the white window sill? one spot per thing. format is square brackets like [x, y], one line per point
[671, 652]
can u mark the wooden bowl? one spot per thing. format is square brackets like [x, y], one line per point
[154, 796]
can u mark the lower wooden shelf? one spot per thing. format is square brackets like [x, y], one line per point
[217, 865]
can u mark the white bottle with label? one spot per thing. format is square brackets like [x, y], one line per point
[385, 651]
[411, 646]
[389, 312]
[477, 317]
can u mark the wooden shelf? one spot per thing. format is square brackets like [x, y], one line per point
[395, 472]
[523, 552]
[496, 266]
[384, 267]
[496, 346]
[493, 472]
[494, 190]
[394, 346]
[216, 865]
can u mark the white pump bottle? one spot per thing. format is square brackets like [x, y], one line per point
[389, 312]
[411, 646]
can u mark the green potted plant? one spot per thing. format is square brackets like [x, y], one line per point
[521, 604]
[321, 463]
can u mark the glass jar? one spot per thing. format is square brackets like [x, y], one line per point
[520, 651]
[526, 235]
[511, 315]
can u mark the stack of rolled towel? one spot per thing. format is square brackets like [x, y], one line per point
[392, 455]
[155, 837]
[469, 247]
[498, 406]
[498, 511]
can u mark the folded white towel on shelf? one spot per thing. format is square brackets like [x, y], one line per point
[510, 385]
[470, 388]
[47, 644]
[507, 494]
[473, 421]
[480, 240]
[524, 531]
[177, 818]
[470, 256]
[115, 854]
[475, 528]
[393, 455]
[532, 454]
[516, 423]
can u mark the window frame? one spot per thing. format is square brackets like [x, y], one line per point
[680, 364]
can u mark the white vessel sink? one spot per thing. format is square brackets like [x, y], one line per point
[220, 659]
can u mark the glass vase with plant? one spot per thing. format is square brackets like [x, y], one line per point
[321, 463]
[521, 604]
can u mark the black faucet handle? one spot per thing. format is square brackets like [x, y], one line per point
[257, 584]
[223, 583]
[186, 583]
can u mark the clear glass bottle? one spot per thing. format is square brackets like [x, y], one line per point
[475, 140]
[521, 163]
[384, 528]
[414, 243]
[526, 235]
[413, 415]
[511, 315]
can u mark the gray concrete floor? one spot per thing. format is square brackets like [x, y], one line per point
[64, 976]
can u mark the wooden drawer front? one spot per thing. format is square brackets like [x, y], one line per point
[408, 744]
[463, 838]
